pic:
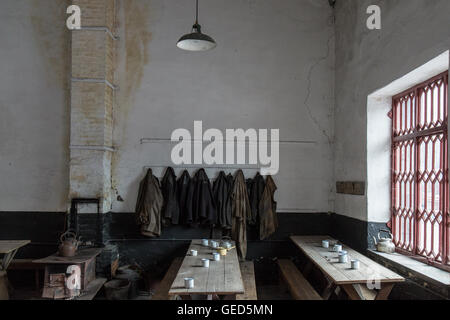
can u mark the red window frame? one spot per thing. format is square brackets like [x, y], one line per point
[420, 196]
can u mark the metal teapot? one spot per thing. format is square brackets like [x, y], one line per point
[384, 244]
[69, 244]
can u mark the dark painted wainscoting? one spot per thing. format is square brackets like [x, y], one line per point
[43, 229]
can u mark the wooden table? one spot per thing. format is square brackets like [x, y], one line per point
[221, 278]
[8, 248]
[370, 281]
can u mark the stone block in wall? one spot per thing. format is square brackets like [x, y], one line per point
[351, 187]
[97, 13]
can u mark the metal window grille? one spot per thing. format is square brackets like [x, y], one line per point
[420, 216]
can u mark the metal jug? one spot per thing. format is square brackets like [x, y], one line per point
[384, 244]
[69, 244]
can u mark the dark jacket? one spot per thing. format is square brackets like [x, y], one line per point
[222, 198]
[170, 210]
[148, 205]
[268, 220]
[202, 208]
[255, 195]
[240, 210]
[184, 195]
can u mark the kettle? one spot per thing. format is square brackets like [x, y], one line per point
[384, 244]
[69, 244]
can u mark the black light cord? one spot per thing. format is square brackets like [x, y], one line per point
[196, 13]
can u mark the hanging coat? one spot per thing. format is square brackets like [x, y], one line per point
[171, 210]
[222, 199]
[240, 210]
[148, 205]
[268, 220]
[255, 194]
[202, 203]
[184, 195]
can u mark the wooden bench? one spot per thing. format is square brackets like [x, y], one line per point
[162, 292]
[27, 264]
[248, 277]
[299, 287]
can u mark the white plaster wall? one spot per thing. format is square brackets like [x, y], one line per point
[273, 68]
[34, 117]
[413, 33]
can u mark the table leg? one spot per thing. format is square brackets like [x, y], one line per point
[328, 291]
[4, 295]
[356, 292]
[7, 258]
[352, 293]
[385, 291]
[229, 297]
[308, 269]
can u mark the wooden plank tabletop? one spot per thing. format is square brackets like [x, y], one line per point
[222, 277]
[7, 246]
[81, 256]
[341, 273]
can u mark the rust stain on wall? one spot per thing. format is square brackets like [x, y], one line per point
[137, 38]
[134, 18]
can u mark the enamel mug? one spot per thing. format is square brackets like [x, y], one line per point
[189, 283]
[337, 248]
[355, 264]
[194, 253]
[325, 244]
[205, 263]
[205, 242]
[214, 244]
[343, 257]
[216, 256]
[227, 245]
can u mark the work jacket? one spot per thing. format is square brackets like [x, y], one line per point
[148, 205]
[268, 220]
[184, 195]
[170, 210]
[201, 208]
[240, 210]
[222, 197]
[255, 195]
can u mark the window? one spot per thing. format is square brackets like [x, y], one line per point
[420, 220]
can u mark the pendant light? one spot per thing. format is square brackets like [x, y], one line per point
[196, 40]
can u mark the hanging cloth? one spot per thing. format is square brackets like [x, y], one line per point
[268, 220]
[171, 210]
[255, 196]
[184, 196]
[203, 208]
[240, 210]
[222, 199]
[149, 205]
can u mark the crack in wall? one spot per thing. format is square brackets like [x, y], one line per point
[308, 95]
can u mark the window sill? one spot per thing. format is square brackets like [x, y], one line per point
[428, 276]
